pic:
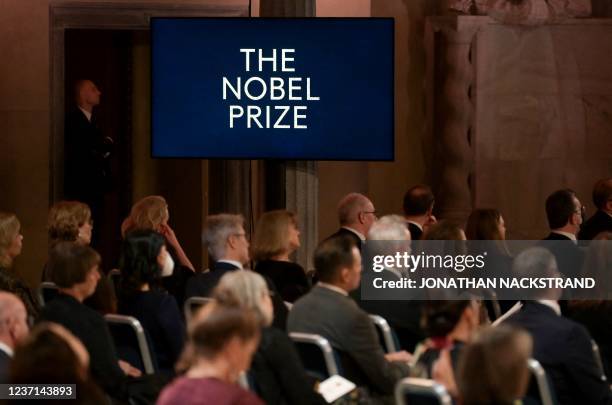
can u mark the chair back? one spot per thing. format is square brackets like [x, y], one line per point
[541, 380]
[317, 355]
[421, 391]
[598, 361]
[131, 342]
[192, 304]
[46, 292]
[385, 333]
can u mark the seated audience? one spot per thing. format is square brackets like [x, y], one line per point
[228, 247]
[449, 325]
[593, 309]
[562, 346]
[327, 310]
[486, 231]
[418, 207]
[356, 214]
[564, 213]
[601, 221]
[74, 268]
[144, 261]
[13, 329]
[221, 343]
[53, 355]
[404, 315]
[492, 368]
[70, 221]
[276, 368]
[151, 213]
[10, 247]
[276, 238]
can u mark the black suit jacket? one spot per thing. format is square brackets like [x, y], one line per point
[415, 231]
[349, 329]
[5, 361]
[568, 255]
[203, 284]
[599, 222]
[90, 327]
[350, 234]
[563, 347]
[87, 168]
[278, 372]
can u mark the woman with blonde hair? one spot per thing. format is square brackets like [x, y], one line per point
[276, 368]
[11, 242]
[276, 238]
[70, 221]
[151, 213]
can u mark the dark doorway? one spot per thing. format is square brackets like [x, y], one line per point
[104, 56]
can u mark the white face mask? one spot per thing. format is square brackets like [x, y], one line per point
[168, 266]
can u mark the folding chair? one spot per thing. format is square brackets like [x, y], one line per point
[131, 342]
[46, 292]
[385, 333]
[316, 354]
[192, 304]
[420, 391]
[598, 361]
[539, 375]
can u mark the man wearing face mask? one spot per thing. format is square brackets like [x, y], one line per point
[144, 261]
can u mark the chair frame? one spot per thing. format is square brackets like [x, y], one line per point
[143, 345]
[538, 372]
[321, 343]
[187, 306]
[598, 361]
[45, 285]
[421, 386]
[383, 326]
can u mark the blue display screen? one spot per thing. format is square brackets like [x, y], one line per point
[254, 88]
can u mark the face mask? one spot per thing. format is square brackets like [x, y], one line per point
[168, 266]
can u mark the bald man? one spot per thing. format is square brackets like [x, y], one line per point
[86, 151]
[13, 328]
[356, 215]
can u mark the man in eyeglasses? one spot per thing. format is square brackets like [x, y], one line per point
[356, 215]
[601, 221]
[564, 213]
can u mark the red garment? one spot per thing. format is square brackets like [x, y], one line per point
[205, 391]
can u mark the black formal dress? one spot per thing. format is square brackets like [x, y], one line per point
[563, 347]
[10, 282]
[568, 255]
[288, 277]
[278, 372]
[90, 327]
[203, 284]
[599, 222]
[161, 318]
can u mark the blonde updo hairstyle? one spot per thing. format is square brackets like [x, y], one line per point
[148, 213]
[9, 229]
[64, 220]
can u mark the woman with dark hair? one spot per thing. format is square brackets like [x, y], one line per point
[276, 238]
[48, 346]
[144, 261]
[448, 325]
[222, 340]
[11, 242]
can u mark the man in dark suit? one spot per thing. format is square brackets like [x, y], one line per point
[418, 207]
[564, 214]
[601, 221]
[327, 310]
[87, 174]
[356, 215]
[562, 346]
[13, 328]
[228, 246]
